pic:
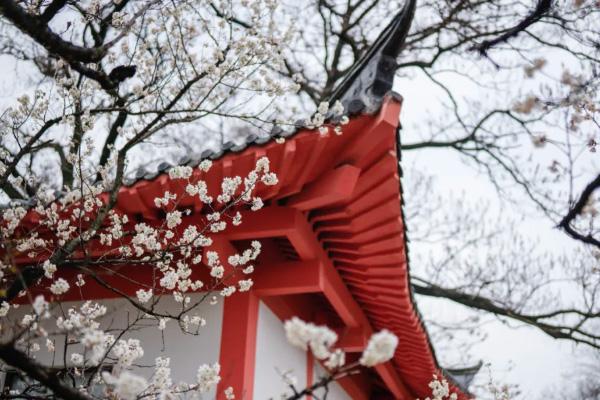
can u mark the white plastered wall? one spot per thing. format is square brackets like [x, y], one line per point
[335, 390]
[275, 355]
[186, 351]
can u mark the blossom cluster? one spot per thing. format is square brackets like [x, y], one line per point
[574, 94]
[320, 340]
[175, 248]
[318, 119]
[440, 390]
[219, 67]
[130, 386]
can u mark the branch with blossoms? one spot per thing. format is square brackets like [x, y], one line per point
[148, 82]
[440, 390]
[82, 231]
[171, 256]
[320, 341]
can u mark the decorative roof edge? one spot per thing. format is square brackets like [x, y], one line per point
[372, 76]
[463, 376]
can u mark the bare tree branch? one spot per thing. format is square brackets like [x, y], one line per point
[542, 8]
[566, 223]
[46, 376]
[478, 302]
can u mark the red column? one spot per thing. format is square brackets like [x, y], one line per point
[310, 371]
[238, 345]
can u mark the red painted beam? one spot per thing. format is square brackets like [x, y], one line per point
[269, 222]
[351, 340]
[310, 373]
[224, 249]
[288, 278]
[288, 222]
[238, 345]
[332, 188]
[265, 223]
[357, 386]
[338, 294]
[285, 221]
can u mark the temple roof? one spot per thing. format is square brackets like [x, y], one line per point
[362, 231]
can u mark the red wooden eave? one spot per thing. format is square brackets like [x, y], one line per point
[338, 205]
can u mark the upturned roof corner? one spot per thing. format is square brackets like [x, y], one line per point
[372, 76]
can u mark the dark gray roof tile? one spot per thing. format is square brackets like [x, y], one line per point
[206, 154]
[215, 155]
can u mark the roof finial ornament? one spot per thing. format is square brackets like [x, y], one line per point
[372, 76]
[463, 377]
